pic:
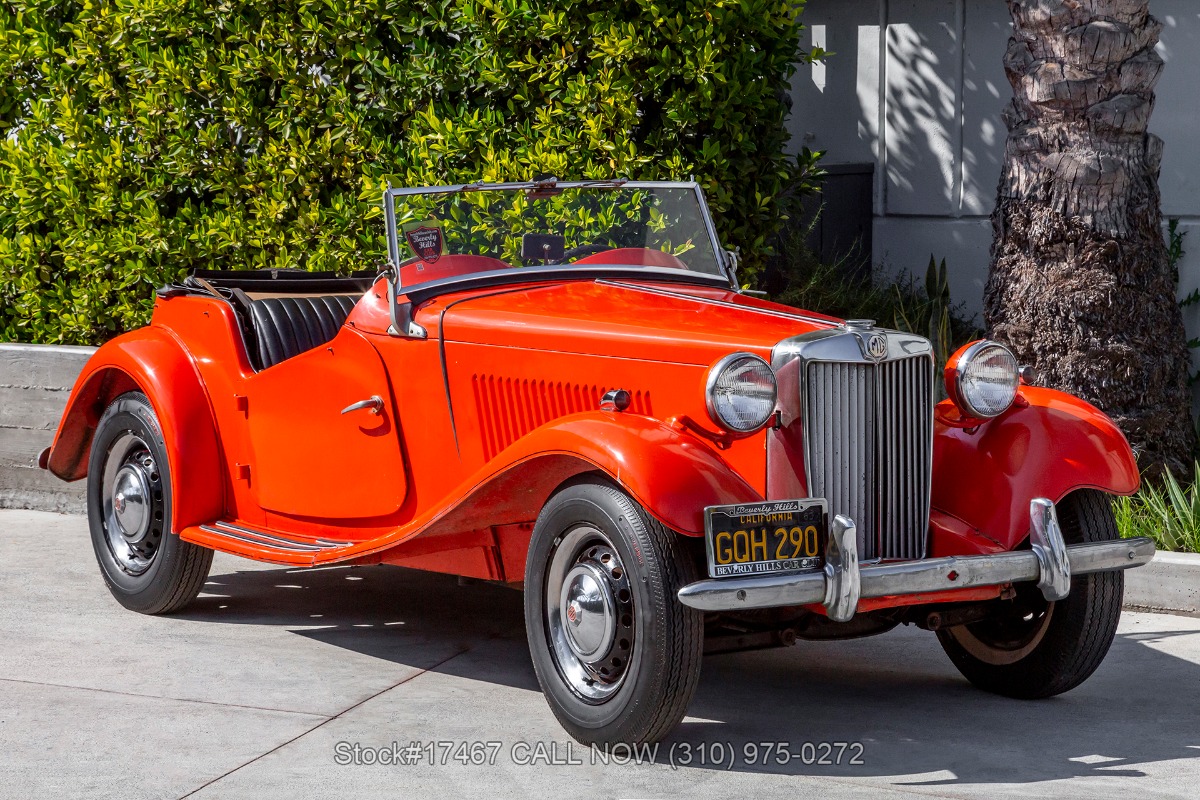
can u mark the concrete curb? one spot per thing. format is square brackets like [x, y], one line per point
[35, 382]
[1169, 584]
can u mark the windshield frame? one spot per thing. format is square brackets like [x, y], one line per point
[390, 195]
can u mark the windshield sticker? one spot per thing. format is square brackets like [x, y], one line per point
[425, 239]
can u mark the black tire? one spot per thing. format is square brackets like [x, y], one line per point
[1038, 649]
[657, 669]
[160, 573]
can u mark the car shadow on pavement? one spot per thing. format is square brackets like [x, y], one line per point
[386, 612]
[920, 722]
[885, 707]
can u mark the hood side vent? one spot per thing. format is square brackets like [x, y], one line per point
[509, 408]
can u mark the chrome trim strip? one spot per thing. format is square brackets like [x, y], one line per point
[536, 277]
[482, 186]
[830, 587]
[708, 301]
[242, 533]
[257, 541]
[252, 532]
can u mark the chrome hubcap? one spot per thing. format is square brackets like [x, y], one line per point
[589, 609]
[131, 502]
[132, 496]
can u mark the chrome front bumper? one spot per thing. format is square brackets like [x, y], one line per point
[843, 582]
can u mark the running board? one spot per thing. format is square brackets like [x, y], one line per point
[264, 545]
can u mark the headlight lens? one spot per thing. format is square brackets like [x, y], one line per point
[984, 378]
[741, 392]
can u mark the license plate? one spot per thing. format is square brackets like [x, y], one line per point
[765, 538]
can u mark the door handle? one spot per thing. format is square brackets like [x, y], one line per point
[374, 402]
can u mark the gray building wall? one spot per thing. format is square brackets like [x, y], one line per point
[917, 87]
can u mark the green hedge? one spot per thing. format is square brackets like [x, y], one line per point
[143, 138]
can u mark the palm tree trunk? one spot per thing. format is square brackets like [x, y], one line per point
[1080, 285]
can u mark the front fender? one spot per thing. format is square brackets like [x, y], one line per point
[1048, 445]
[671, 473]
[153, 361]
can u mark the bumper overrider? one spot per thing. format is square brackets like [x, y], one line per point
[1049, 562]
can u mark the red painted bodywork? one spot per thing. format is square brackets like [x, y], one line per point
[498, 406]
[1047, 445]
[154, 361]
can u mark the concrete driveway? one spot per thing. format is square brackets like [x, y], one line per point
[275, 678]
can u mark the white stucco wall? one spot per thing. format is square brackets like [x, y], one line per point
[917, 86]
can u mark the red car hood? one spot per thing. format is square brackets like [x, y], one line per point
[650, 321]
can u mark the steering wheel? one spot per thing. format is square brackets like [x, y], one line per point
[584, 250]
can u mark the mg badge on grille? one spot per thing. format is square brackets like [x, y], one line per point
[876, 346]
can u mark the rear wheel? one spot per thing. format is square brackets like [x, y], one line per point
[1035, 648]
[615, 652]
[146, 566]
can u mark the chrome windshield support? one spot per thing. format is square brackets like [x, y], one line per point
[402, 321]
[834, 586]
[401, 313]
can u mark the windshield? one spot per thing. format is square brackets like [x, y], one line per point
[445, 232]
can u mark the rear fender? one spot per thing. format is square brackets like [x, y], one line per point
[1048, 445]
[153, 361]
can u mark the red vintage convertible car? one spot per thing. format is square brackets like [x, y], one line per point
[559, 386]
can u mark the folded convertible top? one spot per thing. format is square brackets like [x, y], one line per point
[282, 281]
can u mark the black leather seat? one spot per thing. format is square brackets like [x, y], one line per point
[287, 326]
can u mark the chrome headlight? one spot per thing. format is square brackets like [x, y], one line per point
[982, 379]
[740, 392]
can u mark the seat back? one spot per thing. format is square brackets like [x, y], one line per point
[288, 326]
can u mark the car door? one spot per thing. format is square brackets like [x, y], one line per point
[325, 435]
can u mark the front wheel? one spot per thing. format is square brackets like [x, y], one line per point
[615, 652]
[1033, 648]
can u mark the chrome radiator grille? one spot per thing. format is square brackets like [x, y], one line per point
[868, 435]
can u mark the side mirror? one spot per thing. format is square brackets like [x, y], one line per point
[546, 247]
